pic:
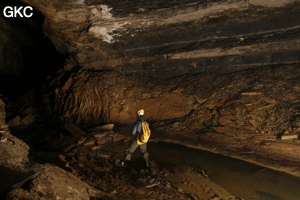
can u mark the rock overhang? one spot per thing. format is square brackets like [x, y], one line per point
[166, 39]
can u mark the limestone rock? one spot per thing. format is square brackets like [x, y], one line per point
[102, 100]
[169, 39]
[107, 126]
[89, 142]
[115, 137]
[15, 121]
[101, 135]
[102, 127]
[74, 130]
[257, 100]
[102, 138]
[28, 119]
[29, 110]
[290, 137]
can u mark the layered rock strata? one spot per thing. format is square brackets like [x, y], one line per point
[262, 100]
[167, 39]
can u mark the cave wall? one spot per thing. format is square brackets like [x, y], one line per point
[264, 100]
[26, 54]
[168, 39]
[90, 98]
[214, 43]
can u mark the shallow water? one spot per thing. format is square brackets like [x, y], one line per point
[240, 178]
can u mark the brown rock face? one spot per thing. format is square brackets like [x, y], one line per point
[264, 100]
[167, 39]
[93, 97]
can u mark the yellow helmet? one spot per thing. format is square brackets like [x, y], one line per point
[140, 112]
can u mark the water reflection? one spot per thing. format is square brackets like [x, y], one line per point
[240, 178]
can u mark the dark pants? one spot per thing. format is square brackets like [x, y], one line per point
[134, 145]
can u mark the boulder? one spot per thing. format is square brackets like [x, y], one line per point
[74, 130]
[101, 127]
[16, 121]
[29, 110]
[289, 137]
[117, 137]
[110, 136]
[89, 142]
[28, 119]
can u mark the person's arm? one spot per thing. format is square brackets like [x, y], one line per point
[137, 128]
[134, 130]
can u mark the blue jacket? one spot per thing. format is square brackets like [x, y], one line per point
[137, 129]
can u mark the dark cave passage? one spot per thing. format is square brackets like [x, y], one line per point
[37, 57]
[28, 59]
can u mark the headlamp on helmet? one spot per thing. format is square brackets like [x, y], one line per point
[140, 112]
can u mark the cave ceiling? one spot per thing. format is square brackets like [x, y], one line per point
[172, 38]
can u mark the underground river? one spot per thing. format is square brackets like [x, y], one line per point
[239, 178]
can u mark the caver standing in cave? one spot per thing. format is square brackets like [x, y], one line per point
[136, 132]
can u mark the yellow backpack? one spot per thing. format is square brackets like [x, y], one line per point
[146, 132]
